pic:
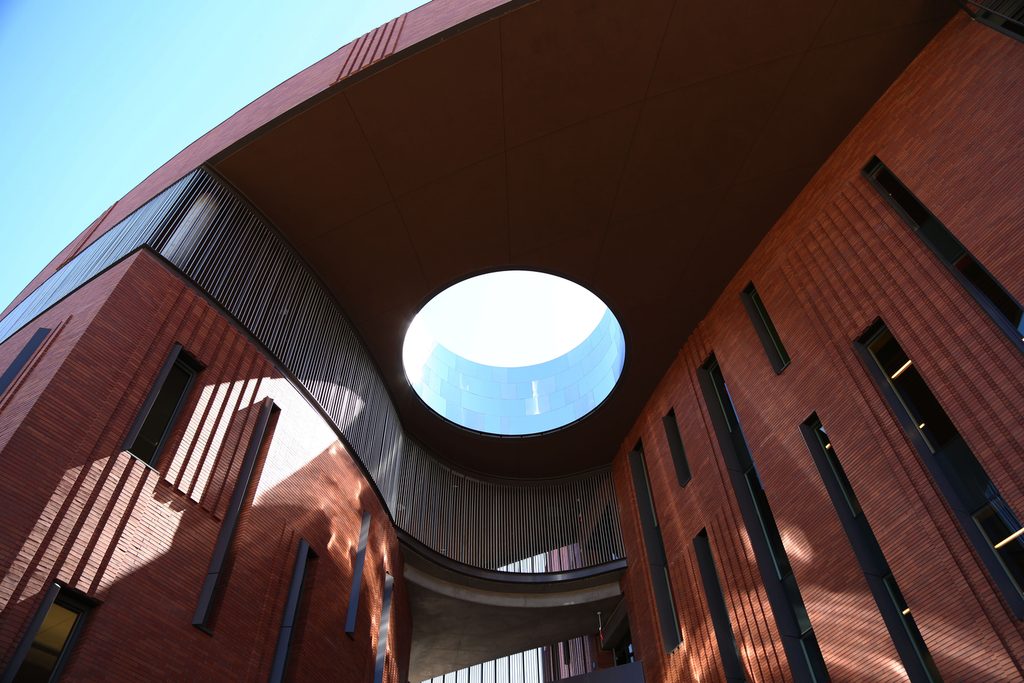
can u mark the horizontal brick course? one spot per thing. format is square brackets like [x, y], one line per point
[139, 539]
[837, 259]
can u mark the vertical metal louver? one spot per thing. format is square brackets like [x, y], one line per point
[222, 245]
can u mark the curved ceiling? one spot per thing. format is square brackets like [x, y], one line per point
[639, 149]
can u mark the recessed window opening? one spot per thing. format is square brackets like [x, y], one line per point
[988, 520]
[162, 406]
[213, 586]
[654, 544]
[896, 614]
[44, 650]
[21, 360]
[514, 353]
[986, 290]
[357, 576]
[727, 647]
[292, 620]
[791, 617]
[675, 446]
[765, 328]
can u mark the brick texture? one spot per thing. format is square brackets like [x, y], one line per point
[836, 260]
[138, 539]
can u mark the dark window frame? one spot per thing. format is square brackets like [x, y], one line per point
[23, 357]
[212, 588]
[60, 594]
[178, 357]
[903, 630]
[304, 555]
[383, 629]
[997, 570]
[654, 546]
[803, 652]
[357, 576]
[935, 232]
[765, 328]
[674, 437]
[728, 649]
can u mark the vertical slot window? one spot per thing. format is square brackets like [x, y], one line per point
[986, 290]
[896, 614]
[791, 616]
[357, 576]
[22, 359]
[44, 650]
[719, 611]
[290, 621]
[765, 328]
[671, 634]
[212, 587]
[988, 520]
[162, 406]
[383, 629]
[675, 447]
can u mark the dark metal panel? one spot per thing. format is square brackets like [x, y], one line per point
[357, 576]
[717, 608]
[382, 630]
[19, 362]
[291, 610]
[201, 618]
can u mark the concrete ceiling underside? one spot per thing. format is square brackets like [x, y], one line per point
[459, 621]
[640, 149]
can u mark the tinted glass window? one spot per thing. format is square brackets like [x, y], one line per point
[48, 645]
[161, 414]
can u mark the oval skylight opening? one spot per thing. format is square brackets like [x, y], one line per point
[514, 352]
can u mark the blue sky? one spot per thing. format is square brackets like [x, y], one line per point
[97, 95]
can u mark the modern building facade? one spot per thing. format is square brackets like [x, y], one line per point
[806, 219]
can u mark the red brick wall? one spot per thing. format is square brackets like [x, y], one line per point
[950, 127]
[139, 540]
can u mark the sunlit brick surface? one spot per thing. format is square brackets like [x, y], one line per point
[79, 510]
[838, 258]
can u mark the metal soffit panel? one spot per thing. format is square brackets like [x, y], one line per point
[640, 150]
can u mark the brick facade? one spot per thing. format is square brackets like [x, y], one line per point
[138, 540]
[837, 259]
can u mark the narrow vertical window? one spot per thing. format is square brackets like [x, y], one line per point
[212, 585]
[162, 406]
[382, 630]
[979, 283]
[675, 446]
[671, 634]
[719, 611]
[765, 328]
[23, 357]
[357, 576]
[44, 649]
[987, 519]
[290, 620]
[776, 571]
[894, 610]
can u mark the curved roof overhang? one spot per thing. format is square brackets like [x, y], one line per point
[639, 149]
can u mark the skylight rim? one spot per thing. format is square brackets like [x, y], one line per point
[600, 359]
